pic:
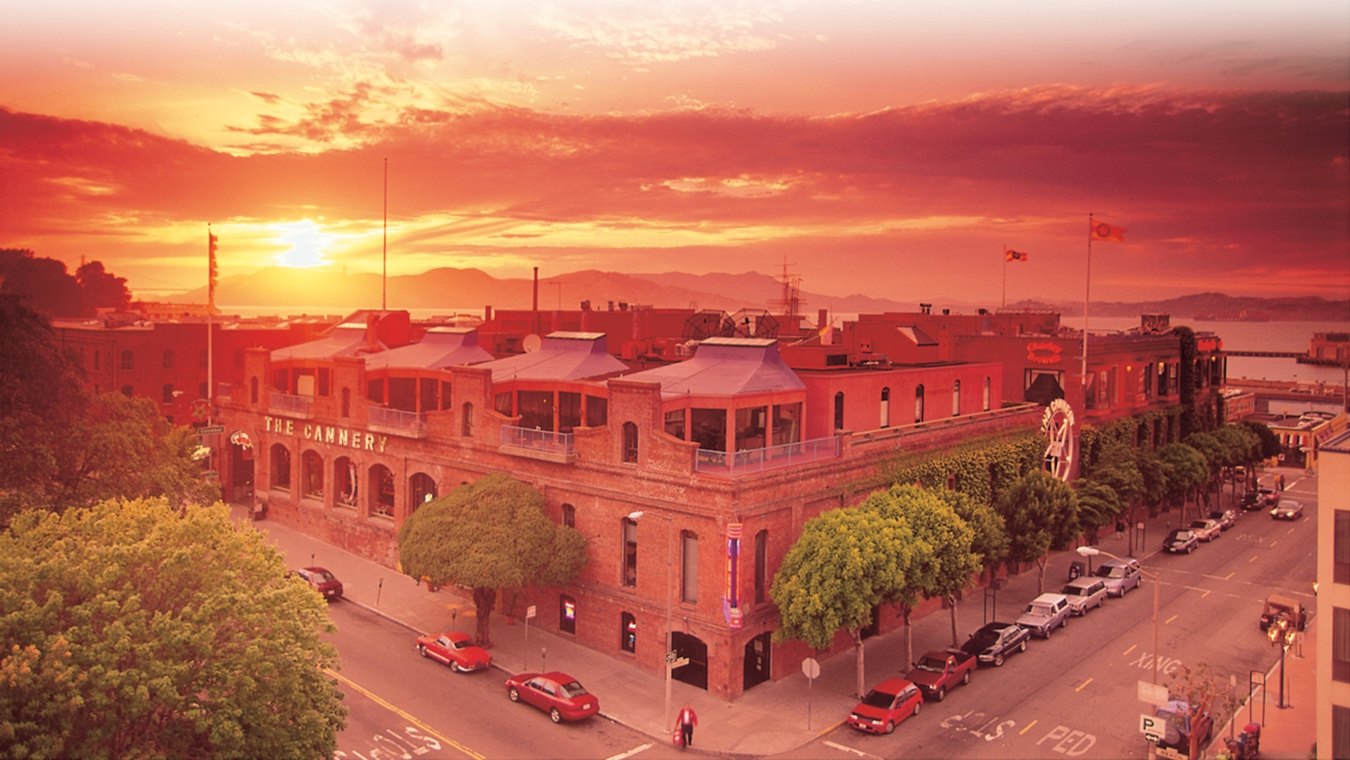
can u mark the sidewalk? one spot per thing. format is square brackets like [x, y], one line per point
[773, 717]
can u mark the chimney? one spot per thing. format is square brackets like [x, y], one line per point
[536, 289]
[925, 308]
[487, 313]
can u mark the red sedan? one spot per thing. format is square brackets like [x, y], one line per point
[886, 705]
[456, 650]
[557, 694]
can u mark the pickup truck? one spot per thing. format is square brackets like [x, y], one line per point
[940, 670]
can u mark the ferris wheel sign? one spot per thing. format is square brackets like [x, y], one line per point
[1057, 427]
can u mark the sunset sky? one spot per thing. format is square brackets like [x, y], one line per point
[879, 147]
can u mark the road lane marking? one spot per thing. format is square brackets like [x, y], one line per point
[1274, 541]
[1029, 725]
[372, 696]
[1169, 620]
[631, 752]
[1253, 559]
[1229, 577]
[843, 748]
[1081, 685]
[1202, 596]
[1126, 653]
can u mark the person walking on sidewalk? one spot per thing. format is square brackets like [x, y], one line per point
[686, 721]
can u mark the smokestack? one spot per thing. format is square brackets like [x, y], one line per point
[536, 288]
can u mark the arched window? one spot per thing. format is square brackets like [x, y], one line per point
[688, 566]
[627, 632]
[630, 547]
[918, 404]
[956, 398]
[422, 488]
[569, 515]
[567, 614]
[988, 389]
[346, 402]
[311, 475]
[381, 491]
[630, 443]
[761, 566]
[839, 410]
[253, 390]
[466, 420]
[885, 407]
[345, 482]
[281, 467]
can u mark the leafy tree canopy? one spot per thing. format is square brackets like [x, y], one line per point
[487, 535]
[1041, 513]
[136, 630]
[1269, 442]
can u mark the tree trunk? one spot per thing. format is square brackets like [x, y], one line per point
[1040, 573]
[951, 602]
[484, 599]
[905, 609]
[858, 649]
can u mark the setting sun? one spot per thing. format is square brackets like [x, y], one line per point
[305, 243]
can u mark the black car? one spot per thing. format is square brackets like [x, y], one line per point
[1181, 541]
[995, 641]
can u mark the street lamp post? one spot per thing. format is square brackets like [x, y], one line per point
[669, 657]
[1281, 633]
[1092, 551]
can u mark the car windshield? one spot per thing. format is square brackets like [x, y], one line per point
[460, 644]
[573, 689]
[1076, 590]
[1111, 571]
[1039, 610]
[880, 699]
[933, 664]
[1201, 524]
[983, 639]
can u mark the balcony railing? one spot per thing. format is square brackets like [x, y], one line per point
[543, 444]
[398, 421]
[291, 405]
[767, 458]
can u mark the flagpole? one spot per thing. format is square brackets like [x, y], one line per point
[1005, 279]
[210, 326]
[1087, 295]
[384, 277]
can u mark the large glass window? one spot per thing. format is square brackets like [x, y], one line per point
[569, 411]
[567, 614]
[787, 423]
[1340, 547]
[761, 566]
[627, 632]
[345, 482]
[750, 428]
[1340, 644]
[839, 410]
[597, 411]
[1340, 731]
[988, 384]
[281, 467]
[422, 487]
[956, 398]
[918, 404]
[688, 567]
[402, 394]
[630, 547]
[466, 420]
[535, 409]
[569, 515]
[674, 423]
[885, 407]
[382, 489]
[630, 443]
[709, 428]
[311, 475]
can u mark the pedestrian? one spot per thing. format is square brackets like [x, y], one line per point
[687, 720]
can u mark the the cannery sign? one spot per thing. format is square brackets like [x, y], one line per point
[330, 434]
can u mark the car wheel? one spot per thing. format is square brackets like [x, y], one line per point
[1022, 646]
[457, 667]
[554, 715]
[513, 694]
[421, 650]
[890, 726]
[917, 707]
[998, 660]
[965, 678]
[941, 694]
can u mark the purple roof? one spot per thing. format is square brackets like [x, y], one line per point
[440, 347]
[726, 367]
[560, 356]
[347, 339]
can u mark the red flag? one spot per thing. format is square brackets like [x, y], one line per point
[1011, 255]
[211, 268]
[1104, 231]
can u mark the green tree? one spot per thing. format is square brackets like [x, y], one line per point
[942, 561]
[1270, 443]
[1187, 472]
[1041, 513]
[1215, 454]
[839, 569]
[1153, 475]
[102, 289]
[132, 629]
[43, 284]
[989, 537]
[489, 535]
[1242, 449]
[1098, 505]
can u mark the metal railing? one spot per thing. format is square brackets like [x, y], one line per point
[538, 440]
[291, 404]
[398, 419]
[767, 458]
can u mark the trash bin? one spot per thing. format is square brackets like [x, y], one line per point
[1076, 570]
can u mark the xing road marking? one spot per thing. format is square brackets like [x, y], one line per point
[372, 696]
[1202, 596]
[1127, 651]
[1028, 728]
[1081, 685]
[631, 752]
[1229, 577]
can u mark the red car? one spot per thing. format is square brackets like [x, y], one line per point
[456, 650]
[887, 704]
[557, 694]
[321, 581]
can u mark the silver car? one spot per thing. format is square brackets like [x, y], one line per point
[1084, 594]
[1119, 575]
[1044, 614]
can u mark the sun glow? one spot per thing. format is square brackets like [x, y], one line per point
[306, 245]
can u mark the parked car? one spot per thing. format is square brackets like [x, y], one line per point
[456, 650]
[1181, 540]
[1280, 606]
[1205, 530]
[1119, 575]
[1252, 500]
[1084, 594]
[321, 581]
[1269, 496]
[1287, 510]
[1226, 518]
[1181, 725]
[1044, 614]
[995, 641]
[558, 694]
[886, 706]
[939, 670]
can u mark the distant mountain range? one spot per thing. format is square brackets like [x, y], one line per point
[469, 290]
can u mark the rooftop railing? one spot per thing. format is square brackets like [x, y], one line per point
[291, 404]
[398, 420]
[545, 441]
[767, 458]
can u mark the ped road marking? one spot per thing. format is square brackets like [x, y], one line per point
[631, 752]
[857, 752]
[372, 696]
[1032, 723]
[1127, 651]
